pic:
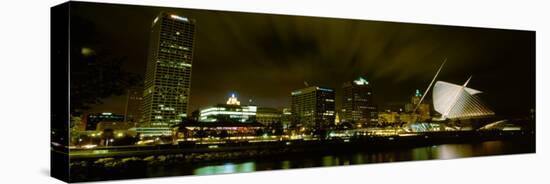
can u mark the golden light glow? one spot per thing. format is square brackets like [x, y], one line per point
[233, 100]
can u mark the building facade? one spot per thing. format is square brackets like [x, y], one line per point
[313, 107]
[231, 111]
[357, 103]
[134, 100]
[168, 75]
[266, 115]
[92, 120]
[388, 118]
[420, 110]
[286, 118]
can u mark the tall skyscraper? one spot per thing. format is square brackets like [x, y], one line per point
[357, 104]
[313, 107]
[168, 76]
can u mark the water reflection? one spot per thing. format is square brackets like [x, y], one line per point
[445, 151]
[226, 168]
[285, 164]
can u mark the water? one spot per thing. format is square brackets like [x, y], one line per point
[444, 151]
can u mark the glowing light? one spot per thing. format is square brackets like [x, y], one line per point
[418, 93]
[89, 146]
[85, 51]
[233, 100]
[361, 81]
[155, 21]
[296, 92]
[179, 18]
[213, 146]
[325, 89]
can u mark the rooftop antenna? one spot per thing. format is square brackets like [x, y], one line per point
[430, 86]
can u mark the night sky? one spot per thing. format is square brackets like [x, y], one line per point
[264, 57]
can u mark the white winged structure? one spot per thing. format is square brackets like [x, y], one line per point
[458, 101]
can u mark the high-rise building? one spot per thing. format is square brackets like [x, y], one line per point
[133, 110]
[357, 103]
[313, 107]
[168, 75]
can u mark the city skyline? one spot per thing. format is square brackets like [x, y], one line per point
[158, 91]
[280, 58]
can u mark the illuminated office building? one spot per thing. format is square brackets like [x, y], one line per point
[168, 75]
[231, 111]
[266, 115]
[357, 103]
[313, 107]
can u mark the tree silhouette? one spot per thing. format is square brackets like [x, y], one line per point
[95, 73]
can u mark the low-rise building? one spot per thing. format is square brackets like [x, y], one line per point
[266, 115]
[232, 111]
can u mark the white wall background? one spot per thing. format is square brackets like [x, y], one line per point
[24, 90]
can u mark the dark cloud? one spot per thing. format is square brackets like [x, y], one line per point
[264, 57]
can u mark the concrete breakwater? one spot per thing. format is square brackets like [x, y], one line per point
[186, 152]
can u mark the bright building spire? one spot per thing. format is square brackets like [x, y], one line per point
[233, 100]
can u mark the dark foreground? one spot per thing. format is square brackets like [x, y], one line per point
[177, 162]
